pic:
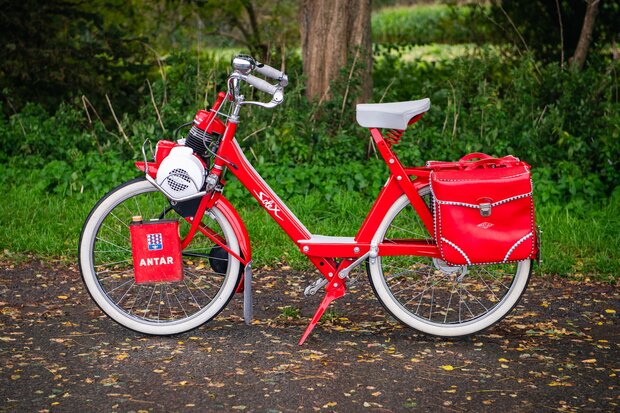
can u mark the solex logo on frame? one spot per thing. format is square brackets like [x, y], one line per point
[269, 204]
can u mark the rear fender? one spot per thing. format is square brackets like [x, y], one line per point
[239, 229]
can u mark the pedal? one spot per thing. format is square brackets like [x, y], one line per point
[315, 286]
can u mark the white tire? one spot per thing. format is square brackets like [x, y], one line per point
[419, 292]
[204, 291]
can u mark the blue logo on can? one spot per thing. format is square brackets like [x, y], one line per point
[154, 242]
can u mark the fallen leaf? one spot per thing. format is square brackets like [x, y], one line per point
[560, 383]
[447, 367]
[109, 381]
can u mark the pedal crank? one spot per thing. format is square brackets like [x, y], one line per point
[315, 286]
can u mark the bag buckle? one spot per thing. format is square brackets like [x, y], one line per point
[485, 209]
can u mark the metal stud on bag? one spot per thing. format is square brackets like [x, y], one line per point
[485, 209]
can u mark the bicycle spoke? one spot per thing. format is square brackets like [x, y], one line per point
[485, 270]
[417, 234]
[146, 310]
[203, 278]
[475, 298]
[138, 206]
[178, 301]
[112, 229]
[489, 288]
[432, 299]
[168, 300]
[114, 245]
[112, 275]
[191, 294]
[464, 302]
[130, 287]
[161, 291]
[200, 288]
[136, 300]
[119, 220]
[445, 319]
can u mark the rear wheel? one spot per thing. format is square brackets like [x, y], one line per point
[210, 274]
[432, 296]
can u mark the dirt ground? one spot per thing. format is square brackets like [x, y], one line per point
[557, 351]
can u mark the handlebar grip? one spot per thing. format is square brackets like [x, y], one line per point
[261, 84]
[272, 73]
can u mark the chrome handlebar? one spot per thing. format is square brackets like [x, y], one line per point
[272, 73]
[243, 66]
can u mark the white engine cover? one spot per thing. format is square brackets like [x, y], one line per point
[181, 173]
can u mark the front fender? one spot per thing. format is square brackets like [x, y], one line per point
[239, 229]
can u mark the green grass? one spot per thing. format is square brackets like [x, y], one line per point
[579, 241]
[423, 24]
[582, 240]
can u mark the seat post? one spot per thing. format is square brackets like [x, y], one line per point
[386, 152]
[402, 178]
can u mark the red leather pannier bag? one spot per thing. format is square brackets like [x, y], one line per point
[483, 210]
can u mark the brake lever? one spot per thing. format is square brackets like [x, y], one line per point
[277, 98]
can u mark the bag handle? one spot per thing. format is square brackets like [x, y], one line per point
[476, 160]
[475, 155]
[486, 161]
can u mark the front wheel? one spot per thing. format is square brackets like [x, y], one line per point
[210, 274]
[434, 297]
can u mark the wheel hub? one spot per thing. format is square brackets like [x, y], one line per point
[454, 271]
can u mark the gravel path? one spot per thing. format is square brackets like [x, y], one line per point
[558, 351]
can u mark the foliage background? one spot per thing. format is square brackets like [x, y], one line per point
[74, 67]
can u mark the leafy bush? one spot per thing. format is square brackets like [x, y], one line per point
[57, 49]
[564, 123]
[538, 24]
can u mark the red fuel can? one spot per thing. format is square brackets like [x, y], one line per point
[156, 250]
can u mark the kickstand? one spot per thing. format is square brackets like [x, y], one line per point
[335, 289]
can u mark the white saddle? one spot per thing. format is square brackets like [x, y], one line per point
[394, 115]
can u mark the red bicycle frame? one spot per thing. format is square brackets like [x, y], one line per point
[321, 250]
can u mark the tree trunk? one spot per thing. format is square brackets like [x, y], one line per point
[332, 31]
[585, 37]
